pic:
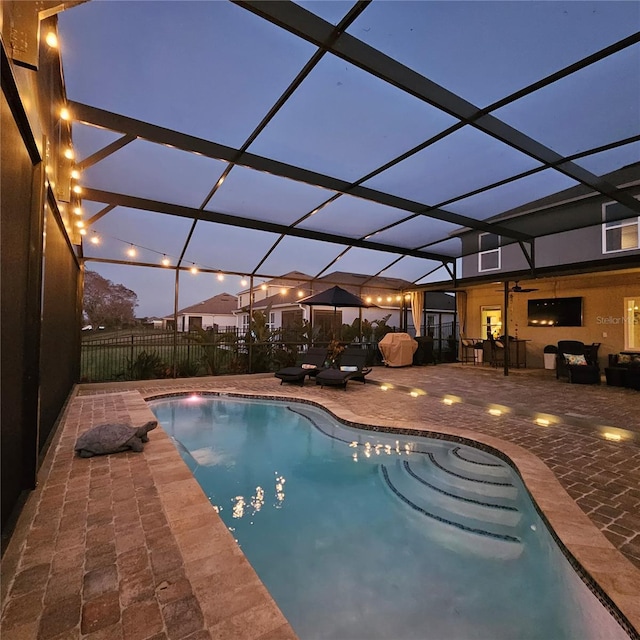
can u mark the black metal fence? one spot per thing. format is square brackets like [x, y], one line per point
[147, 354]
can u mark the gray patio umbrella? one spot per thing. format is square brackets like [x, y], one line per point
[335, 297]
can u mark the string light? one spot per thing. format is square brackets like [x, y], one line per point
[220, 277]
[68, 153]
[95, 239]
[243, 282]
[65, 114]
[194, 269]
[77, 211]
[77, 189]
[75, 174]
[79, 224]
[131, 252]
[283, 291]
[165, 261]
[300, 294]
[83, 232]
[263, 287]
[52, 39]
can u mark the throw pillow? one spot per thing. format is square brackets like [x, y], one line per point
[573, 359]
[624, 358]
[309, 366]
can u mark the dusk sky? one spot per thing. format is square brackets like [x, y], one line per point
[213, 70]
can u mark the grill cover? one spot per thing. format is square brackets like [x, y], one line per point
[397, 349]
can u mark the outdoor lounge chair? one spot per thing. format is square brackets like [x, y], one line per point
[352, 367]
[308, 364]
[574, 361]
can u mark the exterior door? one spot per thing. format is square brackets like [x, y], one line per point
[491, 319]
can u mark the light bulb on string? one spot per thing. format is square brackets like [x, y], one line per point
[52, 39]
[165, 261]
[131, 252]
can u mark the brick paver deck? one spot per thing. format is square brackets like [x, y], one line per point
[127, 545]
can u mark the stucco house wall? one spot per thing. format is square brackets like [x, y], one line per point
[603, 311]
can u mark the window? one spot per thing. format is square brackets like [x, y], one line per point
[245, 322]
[619, 231]
[272, 321]
[491, 322]
[632, 324]
[489, 257]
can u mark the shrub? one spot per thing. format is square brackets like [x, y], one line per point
[146, 366]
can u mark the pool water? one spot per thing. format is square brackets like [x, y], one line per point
[363, 535]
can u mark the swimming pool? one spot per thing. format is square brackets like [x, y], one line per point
[362, 534]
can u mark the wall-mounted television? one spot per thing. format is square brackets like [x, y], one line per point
[555, 312]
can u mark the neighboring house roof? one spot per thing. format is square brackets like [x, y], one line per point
[344, 279]
[279, 300]
[222, 304]
[357, 283]
[291, 279]
[437, 300]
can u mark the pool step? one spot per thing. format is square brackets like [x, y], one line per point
[438, 467]
[466, 459]
[461, 503]
[478, 514]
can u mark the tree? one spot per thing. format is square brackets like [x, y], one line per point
[107, 304]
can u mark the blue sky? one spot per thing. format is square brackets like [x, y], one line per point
[213, 70]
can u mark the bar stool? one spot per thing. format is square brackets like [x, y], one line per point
[468, 353]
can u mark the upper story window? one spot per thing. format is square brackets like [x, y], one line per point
[617, 234]
[489, 256]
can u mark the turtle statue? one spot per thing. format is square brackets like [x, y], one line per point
[113, 438]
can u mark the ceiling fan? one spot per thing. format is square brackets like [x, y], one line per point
[518, 289]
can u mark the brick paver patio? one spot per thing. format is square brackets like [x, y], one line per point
[127, 545]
